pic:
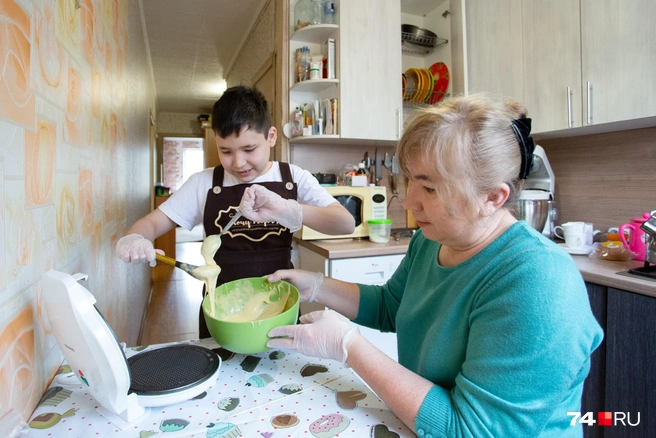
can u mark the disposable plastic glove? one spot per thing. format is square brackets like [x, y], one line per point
[262, 205]
[308, 283]
[324, 333]
[134, 248]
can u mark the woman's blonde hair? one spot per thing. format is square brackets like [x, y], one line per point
[471, 146]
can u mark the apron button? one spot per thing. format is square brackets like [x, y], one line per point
[289, 186]
[216, 190]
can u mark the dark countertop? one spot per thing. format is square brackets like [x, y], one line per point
[596, 271]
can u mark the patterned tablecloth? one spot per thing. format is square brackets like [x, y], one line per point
[270, 395]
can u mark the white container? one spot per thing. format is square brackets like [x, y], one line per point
[380, 230]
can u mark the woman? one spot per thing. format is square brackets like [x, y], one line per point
[494, 326]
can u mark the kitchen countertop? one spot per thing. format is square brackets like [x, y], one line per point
[596, 271]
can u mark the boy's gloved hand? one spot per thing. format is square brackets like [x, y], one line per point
[308, 283]
[134, 248]
[324, 333]
[262, 205]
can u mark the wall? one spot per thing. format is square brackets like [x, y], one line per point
[71, 144]
[179, 124]
[605, 179]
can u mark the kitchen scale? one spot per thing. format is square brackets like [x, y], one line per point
[125, 389]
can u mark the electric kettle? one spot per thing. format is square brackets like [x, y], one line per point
[637, 238]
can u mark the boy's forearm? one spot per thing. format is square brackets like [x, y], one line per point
[153, 225]
[333, 220]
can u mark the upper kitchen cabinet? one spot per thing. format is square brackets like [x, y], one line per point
[618, 40]
[487, 47]
[367, 59]
[572, 63]
[552, 64]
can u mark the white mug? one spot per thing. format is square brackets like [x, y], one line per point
[590, 232]
[575, 234]
[576, 227]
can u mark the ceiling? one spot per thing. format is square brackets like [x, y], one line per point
[193, 43]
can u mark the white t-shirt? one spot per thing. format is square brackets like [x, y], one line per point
[186, 206]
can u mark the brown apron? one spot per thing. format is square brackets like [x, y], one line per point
[248, 249]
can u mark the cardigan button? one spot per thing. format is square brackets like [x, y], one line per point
[420, 432]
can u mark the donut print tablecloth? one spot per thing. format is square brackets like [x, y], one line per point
[267, 395]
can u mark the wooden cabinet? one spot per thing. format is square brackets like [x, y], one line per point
[572, 63]
[211, 152]
[368, 57]
[622, 375]
[618, 56]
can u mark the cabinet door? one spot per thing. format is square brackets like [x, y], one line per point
[594, 388]
[365, 270]
[370, 69]
[618, 47]
[552, 64]
[630, 364]
[494, 47]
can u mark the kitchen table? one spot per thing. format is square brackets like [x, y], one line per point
[272, 394]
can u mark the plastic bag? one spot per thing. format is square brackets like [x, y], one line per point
[611, 250]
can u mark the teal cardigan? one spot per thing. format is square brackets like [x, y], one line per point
[505, 336]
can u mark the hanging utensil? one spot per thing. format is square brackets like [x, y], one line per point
[378, 167]
[396, 170]
[186, 267]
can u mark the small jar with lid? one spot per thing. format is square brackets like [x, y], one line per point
[329, 12]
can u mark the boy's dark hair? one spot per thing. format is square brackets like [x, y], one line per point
[241, 107]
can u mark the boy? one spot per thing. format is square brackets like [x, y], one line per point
[266, 193]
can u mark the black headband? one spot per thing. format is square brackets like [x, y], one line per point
[522, 129]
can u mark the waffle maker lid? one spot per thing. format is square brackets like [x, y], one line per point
[158, 377]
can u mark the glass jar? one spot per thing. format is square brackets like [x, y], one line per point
[302, 14]
[317, 12]
[329, 12]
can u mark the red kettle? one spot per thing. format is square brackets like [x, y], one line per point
[637, 238]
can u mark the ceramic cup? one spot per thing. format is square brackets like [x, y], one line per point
[590, 232]
[574, 233]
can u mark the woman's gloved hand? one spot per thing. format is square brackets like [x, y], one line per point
[308, 283]
[262, 205]
[134, 248]
[324, 333]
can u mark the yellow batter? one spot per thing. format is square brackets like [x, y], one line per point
[210, 272]
[248, 305]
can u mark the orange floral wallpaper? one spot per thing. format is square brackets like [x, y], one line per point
[63, 140]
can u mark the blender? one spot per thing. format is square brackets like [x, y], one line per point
[535, 204]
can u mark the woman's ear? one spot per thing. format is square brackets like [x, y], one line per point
[496, 199]
[272, 136]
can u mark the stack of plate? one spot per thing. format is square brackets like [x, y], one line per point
[421, 85]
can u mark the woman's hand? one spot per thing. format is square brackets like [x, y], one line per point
[262, 205]
[308, 283]
[324, 333]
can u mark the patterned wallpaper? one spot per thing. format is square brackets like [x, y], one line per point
[65, 166]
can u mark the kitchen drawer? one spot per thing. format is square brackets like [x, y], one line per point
[365, 270]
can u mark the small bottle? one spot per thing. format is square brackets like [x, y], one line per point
[329, 12]
[317, 12]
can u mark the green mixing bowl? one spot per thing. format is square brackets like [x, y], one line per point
[248, 337]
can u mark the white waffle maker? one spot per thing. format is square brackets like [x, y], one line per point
[124, 388]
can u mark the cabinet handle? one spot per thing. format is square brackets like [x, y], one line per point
[398, 124]
[570, 122]
[589, 103]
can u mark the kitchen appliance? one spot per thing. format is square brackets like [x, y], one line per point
[364, 203]
[535, 204]
[649, 269]
[125, 389]
[637, 237]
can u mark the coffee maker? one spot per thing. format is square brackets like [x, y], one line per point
[536, 200]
